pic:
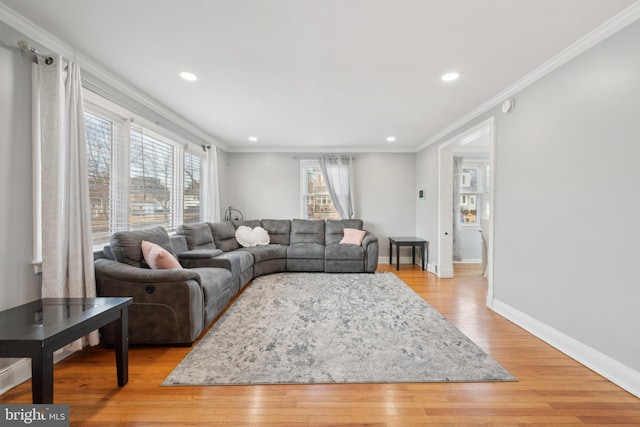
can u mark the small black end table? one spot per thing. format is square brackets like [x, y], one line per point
[408, 241]
[39, 328]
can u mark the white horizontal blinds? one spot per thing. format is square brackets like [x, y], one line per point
[193, 189]
[139, 176]
[104, 137]
[107, 134]
[151, 182]
[99, 143]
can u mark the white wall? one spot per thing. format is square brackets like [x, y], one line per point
[386, 197]
[427, 209]
[19, 284]
[262, 186]
[565, 207]
[268, 186]
[565, 199]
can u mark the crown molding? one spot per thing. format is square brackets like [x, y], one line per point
[48, 41]
[337, 150]
[600, 33]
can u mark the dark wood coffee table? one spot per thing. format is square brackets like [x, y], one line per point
[408, 241]
[39, 328]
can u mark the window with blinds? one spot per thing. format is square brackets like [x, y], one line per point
[138, 178]
[151, 196]
[100, 134]
[192, 193]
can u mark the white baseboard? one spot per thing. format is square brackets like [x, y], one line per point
[602, 364]
[403, 260]
[20, 371]
[15, 374]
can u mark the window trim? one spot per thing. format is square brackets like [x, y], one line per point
[304, 163]
[480, 193]
[127, 120]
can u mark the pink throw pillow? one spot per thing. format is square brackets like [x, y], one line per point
[157, 257]
[353, 236]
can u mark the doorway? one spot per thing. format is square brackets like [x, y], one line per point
[477, 142]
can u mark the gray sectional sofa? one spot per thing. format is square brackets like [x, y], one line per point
[175, 306]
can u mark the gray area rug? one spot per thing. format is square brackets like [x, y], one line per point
[303, 328]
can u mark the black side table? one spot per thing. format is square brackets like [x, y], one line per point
[38, 328]
[408, 241]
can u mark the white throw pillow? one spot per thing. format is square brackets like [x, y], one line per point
[248, 237]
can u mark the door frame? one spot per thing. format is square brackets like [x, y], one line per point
[445, 199]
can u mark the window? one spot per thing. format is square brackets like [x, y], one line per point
[316, 201]
[474, 193]
[152, 193]
[138, 178]
[99, 140]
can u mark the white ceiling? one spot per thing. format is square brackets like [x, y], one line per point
[319, 75]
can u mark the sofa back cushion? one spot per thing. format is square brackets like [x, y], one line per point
[126, 245]
[179, 244]
[307, 231]
[251, 223]
[279, 230]
[224, 236]
[334, 231]
[198, 235]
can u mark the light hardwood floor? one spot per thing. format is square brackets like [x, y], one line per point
[551, 389]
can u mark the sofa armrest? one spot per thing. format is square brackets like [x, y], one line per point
[200, 254]
[370, 245]
[197, 258]
[168, 305]
[369, 238]
[115, 270]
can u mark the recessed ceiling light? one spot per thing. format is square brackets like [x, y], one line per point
[449, 77]
[391, 139]
[190, 77]
[253, 138]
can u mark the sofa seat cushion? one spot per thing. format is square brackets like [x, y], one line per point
[305, 251]
[337, 251]
[267, 252]
[238, 261]
[213, 281]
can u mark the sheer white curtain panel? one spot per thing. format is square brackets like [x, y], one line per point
[67, 251]
[212, 197]
[337, 172]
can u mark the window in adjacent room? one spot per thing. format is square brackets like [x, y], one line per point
[474, 194]
[316, 201]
